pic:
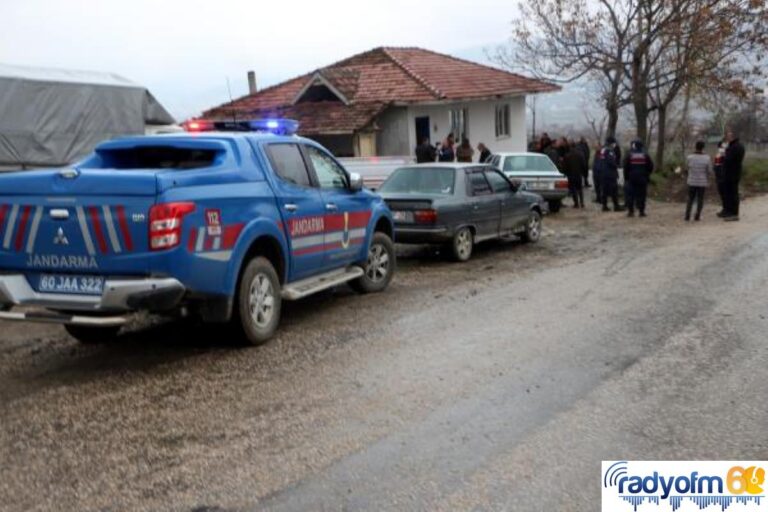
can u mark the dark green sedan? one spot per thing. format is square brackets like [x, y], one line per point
[459, 205]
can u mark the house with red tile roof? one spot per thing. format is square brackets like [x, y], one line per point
[381, 102]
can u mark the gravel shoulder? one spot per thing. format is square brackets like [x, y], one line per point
[612, 337]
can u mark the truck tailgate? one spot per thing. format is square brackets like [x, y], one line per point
[94, 223]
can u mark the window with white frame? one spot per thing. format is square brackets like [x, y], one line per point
[502, 120]
[459, 122]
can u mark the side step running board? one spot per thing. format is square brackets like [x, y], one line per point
[60, 318]
[305, 287]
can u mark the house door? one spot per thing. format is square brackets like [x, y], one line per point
[422, 129]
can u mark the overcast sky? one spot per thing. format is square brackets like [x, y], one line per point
[184, 50]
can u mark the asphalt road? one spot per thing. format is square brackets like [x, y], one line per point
[499, 384]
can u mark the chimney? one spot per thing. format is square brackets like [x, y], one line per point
[252, 89]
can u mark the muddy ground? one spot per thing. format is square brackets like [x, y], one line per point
[499, 384]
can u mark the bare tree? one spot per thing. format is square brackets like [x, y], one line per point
[565, 40]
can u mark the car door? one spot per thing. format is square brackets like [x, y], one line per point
[485, 205]
[301, 207]
[514, 209]
[347, 213]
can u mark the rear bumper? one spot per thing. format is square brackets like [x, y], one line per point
[119, 296]
[408, 234]
[551, 195]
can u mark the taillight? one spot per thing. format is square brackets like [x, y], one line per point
[561, 184]
[165, 224]
[425, 216]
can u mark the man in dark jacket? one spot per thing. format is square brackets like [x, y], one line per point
[485, 154]
[638, 167]
[574, 166]
[425, 152]
[732, 163]
[609, 173]
[583, 146]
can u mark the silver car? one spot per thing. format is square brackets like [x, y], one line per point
[537, 173]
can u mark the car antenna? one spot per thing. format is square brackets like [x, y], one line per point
[231, 102]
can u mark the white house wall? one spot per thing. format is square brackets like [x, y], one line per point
[481, 116]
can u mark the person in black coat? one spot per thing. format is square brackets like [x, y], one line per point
[583, 146]
[425, 152]
[609, 173]
[485, 154]
[732, 166]
[574, 166]
[638, 167]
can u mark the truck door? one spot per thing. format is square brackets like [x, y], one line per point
[301, 207]
[346, 213]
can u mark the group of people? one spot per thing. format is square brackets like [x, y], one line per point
[572, 159]
[727, 168]
[449, 151]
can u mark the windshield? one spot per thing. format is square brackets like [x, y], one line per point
[424, 180]
[519, 163]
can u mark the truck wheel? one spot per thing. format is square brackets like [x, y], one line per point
[554, 205]
[259, 302]
[532, 228]
[92, 335]
[462, 245]
[379, 267]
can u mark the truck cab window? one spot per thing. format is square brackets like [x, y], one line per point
[288, 163]
[329, 173]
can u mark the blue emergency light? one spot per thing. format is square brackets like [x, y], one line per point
[274, 125]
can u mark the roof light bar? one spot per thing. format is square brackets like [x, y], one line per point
[276, 126]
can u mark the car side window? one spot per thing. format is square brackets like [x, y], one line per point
[288, 163]
[329, 173]
[499, 183]
[478, 184]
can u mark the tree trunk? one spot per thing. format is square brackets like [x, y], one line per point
[640, 97]
[661, 136]
[613, 120]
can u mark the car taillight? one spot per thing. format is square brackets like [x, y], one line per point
[561, 184]
[165, 224]
[425, 216]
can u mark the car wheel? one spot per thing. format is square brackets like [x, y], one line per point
[555, 205]
[92, 335]
[462, 244]
[533, 228]
[259, 302]
[379, 266]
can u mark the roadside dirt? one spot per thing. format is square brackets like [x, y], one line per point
[170, 416]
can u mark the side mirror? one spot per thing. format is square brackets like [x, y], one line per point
[355, 182]
[522, 186]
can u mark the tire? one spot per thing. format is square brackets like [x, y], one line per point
[532, 228]
[379, 267]
[555, 205]
[259, 302]
[462, 245]
[92, 335]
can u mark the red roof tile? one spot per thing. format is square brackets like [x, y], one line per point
[370, 81]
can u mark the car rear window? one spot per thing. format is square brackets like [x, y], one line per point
[522, 163]
[158, 157]
[423, 180]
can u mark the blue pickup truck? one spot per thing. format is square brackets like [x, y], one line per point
[222, 225]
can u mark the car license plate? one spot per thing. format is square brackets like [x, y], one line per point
[402, 216]
[62, 283]
[532, 184]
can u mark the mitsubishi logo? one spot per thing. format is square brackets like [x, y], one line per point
[60, 238]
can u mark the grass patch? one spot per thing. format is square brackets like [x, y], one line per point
[666, 185]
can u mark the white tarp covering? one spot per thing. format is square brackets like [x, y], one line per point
[51, 117]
